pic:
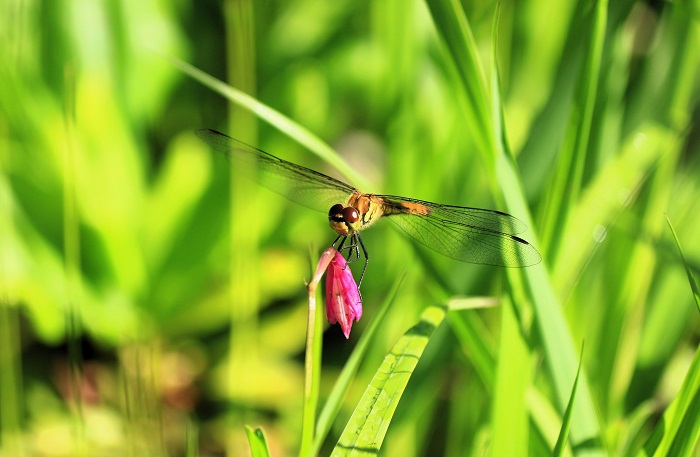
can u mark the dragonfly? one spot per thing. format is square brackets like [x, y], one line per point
[473, 235]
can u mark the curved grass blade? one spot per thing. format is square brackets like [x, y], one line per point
[509, 420]
[370, 421]
[679, 429]
[453, 27]
[566, 423]
[303, 136]
[568, 175]
[256, 439]
[691, 280]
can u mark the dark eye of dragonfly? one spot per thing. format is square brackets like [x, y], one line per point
[350, 214]
[335, 213]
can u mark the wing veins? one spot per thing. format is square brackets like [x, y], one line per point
[467, 242]
[300, 184]
[479, 218]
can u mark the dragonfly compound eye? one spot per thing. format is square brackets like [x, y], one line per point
[335, 210]
[350, 214]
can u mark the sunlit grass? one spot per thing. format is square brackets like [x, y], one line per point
[152, 303]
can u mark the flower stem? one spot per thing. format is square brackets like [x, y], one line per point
[312, 361]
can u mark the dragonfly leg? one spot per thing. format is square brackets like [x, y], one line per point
[353, 250]
[342, 242]
[341, 247]
[364, 269]
[352, 247]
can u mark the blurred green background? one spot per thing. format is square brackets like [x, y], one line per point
[153, 303]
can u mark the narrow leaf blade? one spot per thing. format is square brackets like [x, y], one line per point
[370, 421]
[566, 423]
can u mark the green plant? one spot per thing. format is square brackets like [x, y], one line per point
[153, 303]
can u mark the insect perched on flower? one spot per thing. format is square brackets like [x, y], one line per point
[466, 234]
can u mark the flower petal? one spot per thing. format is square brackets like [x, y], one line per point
[343, 302]
[323, 262]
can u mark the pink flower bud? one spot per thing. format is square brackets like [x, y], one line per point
[343, 301]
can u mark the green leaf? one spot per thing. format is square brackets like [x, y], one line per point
[691, 280]
[513, 376]
[256, 439]
[366, 429]
[305, 137]
[566, 423]
[454, 29]
[556, 338]
[564, 193]
[679, 428]
[510, 417]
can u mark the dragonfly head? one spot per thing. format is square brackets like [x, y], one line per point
[344, 219]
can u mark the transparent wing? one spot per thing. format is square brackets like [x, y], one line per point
[299, 184]
[471, 235]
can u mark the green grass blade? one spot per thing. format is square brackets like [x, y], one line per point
[454, 29]
[513, 376]
[510, 418]
[476, 343]
[601, 203]
[558, 346]
[686, 439]
[557, 340]
[370, 421]
[303, 136]
[679, 428]
[691, 280]
[256, 439]
[566, 423]
[333, 403]
[572, 157]
[473, 335]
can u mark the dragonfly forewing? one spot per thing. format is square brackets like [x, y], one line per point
[300, 184]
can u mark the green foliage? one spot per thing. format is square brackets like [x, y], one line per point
[688, 270]
[366, 429]
[566, 425]
[153, 303]
[256, 439]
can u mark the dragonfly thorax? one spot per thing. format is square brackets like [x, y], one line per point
[345, 220]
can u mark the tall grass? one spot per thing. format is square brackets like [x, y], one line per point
[153, 303]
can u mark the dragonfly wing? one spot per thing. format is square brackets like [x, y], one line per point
[300, 184]
[471, 235]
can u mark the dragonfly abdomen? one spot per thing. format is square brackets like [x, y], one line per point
[392, 207]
